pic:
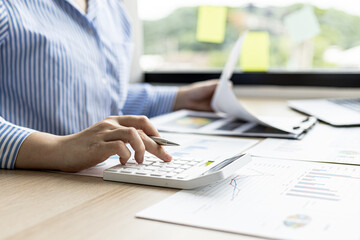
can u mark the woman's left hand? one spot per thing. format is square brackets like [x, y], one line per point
[196, 96]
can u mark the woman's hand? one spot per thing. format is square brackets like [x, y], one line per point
[196, 96]
[91, 146]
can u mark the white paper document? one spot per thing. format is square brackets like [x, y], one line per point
[225, 101]
[186, 121]
[191, 146]
[323, 144]
[272, 198]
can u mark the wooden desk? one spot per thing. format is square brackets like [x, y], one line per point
[45, 205]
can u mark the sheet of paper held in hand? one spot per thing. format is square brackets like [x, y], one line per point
[225, 101]
[274, 198]
[231, 117]
[190, 146]
[323, 144]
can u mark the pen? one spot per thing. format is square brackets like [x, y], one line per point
[163, 142]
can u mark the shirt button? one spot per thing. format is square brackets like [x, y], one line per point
[91, 32]
[104, 80]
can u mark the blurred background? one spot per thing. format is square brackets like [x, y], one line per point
[298, 36]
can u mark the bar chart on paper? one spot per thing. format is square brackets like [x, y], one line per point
[272, 198]
[321, 184]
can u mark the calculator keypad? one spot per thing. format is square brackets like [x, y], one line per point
[153, 166]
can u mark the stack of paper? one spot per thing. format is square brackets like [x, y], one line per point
[273, 198]
[323, 144]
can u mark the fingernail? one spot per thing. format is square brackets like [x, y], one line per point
[168, 157]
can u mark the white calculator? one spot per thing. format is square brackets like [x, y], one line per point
[182, 173]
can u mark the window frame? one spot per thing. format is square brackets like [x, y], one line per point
[271, 78]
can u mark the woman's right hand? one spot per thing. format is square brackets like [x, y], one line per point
[91, 146]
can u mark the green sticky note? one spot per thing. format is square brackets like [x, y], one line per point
[211, 24]
[255, 52]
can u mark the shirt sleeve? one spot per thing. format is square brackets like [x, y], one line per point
[4, 22]
[144, 99]
[11, 138]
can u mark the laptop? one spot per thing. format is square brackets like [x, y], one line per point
[337, 112]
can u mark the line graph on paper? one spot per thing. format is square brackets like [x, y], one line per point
[234, 184]
[250, 173]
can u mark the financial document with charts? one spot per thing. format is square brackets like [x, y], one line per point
[272, 198]
[323, 144]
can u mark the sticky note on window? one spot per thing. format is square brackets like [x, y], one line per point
[211, 24]
[255, 52]
[302, 24]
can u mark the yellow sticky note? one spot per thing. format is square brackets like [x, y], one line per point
[255, 52]
[211, 24]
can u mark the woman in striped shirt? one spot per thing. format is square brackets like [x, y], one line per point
[65, 102]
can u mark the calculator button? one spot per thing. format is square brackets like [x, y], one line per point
[183, 162]
[171, 164]
[170, 168]
[147, 163]
[128, 164]
[142, 172]
[150, 168]
[192, 163]
[150, 160]
[182, 176]
[156, 174]
[178, 170]
[197, 160]
[185, 167]
[171, 174]
[129, 168]
[126, 171]
[167, 163]
[176, 164]
[157, 164]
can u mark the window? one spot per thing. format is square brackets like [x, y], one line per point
[329, 42]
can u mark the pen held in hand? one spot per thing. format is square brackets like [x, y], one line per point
[163, 142]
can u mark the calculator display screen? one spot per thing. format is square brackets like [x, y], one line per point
[223, 164]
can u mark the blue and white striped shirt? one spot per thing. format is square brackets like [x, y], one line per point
[62, 70]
